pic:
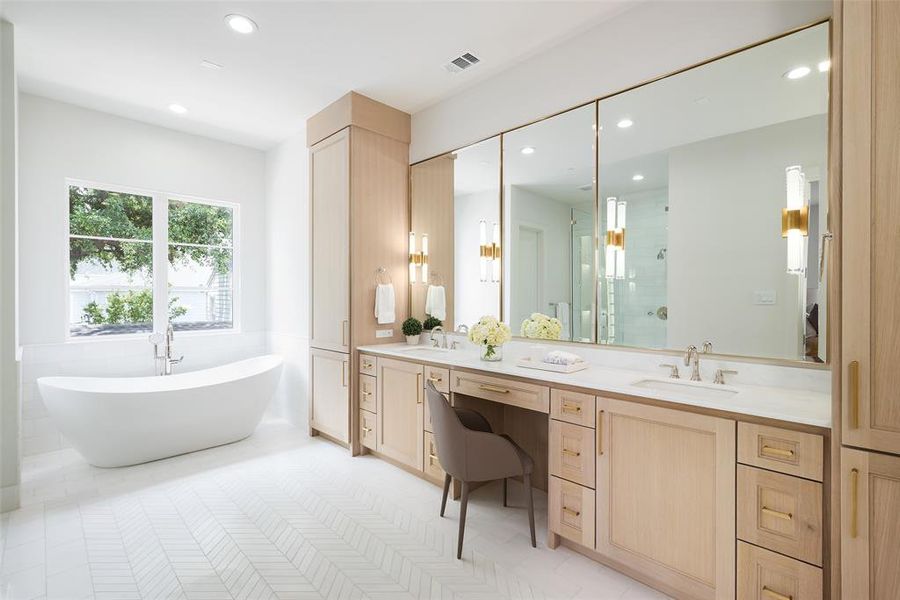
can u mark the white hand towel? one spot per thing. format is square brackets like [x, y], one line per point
[436, 302]
[558, 357]
[384, 303]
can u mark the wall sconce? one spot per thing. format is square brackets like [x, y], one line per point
[418, 259]
[489, 254]
[795, 220]
[615, 238]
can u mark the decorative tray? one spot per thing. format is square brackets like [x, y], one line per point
[542, 366]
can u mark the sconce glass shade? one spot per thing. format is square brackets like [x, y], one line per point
[795, 219]
[495, 270]
[615, 238]
[424, 258]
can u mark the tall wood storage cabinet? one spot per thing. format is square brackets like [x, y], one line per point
[359, 220]
[870, 314]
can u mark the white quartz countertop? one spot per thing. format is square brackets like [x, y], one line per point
[784, 404]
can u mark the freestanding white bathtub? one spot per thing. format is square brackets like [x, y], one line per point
[119, 421]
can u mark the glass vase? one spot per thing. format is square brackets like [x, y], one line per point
[491, 353]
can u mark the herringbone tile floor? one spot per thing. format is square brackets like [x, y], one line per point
[278, 515]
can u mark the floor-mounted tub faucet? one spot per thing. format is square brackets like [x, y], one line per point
[162, 351]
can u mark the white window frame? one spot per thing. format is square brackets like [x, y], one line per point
[160, 243]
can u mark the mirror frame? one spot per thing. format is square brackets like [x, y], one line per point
[834, 205]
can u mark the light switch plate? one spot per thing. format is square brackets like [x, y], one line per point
[384, 333]
[765, 297]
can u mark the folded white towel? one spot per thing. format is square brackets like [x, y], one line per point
[384, 303]
[436, 302]
[558, 357]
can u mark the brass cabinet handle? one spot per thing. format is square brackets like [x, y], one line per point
[367, 429]
[853, 392]
[569, 511]
[854, 502]
[779, 452]
[776, 513]
[367, 365]
[344, 373]
[568, 408]
[599, 433]
[491, 388]
[568, 452]
[432, 458]
[344, 326]
[434, 379]
[419, 388]
[776, 595]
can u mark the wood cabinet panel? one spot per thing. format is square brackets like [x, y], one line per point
[571, 511]
[439, 377]
[572, 455]
[401, 411]
[870, 525]
[504, 391]
[432, 465]
[780, 512]
[572, 407]
[765, 575]
[368, 392]
[330, 393]
[367, 364]
[666, 495]
[368, 429]
[783, 450]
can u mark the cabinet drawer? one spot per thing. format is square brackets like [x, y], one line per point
[571, 511]
[572, 407]
[367, 393]
[780, 512]
[439, 377]
[572, 452]
[428, 425]
[791, 452]
[367, 429]
[432, 465]
[765, 575]
[504, 391]
[367, 364]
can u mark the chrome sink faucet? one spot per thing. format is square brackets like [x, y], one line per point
[162, 351]
[692, 359]
[434, 343]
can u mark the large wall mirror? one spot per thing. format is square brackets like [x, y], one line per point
[690, 209]
[455, 216]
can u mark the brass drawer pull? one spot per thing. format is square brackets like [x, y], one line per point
[569, 511]
[779, 452]
[432, 458]
[599, 433]
[775, 595]
[367, 365]
[777, 513]
[365, 393]
[568, 408]
[435, 379]
[854, 502]
[366, 430]
[853, 392]
[491, 388]
[568, 452]
[419, 388]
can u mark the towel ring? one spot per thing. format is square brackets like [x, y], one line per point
[383, 274]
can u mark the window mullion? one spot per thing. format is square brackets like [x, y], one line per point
[160, 262]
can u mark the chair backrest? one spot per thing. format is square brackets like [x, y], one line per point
[449, 434]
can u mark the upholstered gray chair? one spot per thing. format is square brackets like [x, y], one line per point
[469, 451]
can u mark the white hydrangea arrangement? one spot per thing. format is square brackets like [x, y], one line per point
[489, 333]
[541, 327]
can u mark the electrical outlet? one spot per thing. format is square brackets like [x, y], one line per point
[384, 333]
[765, 297]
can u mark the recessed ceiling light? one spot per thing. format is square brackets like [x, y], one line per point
[824, 66]
[797, 72]
[527, 150]
[177, 109]
[637, 177]
[241, 24]
[625, 123]
[208, 64]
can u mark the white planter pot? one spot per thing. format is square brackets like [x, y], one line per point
[413, 340]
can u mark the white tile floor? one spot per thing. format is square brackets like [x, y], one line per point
[278, 515]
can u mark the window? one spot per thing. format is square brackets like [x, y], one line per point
[131, 254]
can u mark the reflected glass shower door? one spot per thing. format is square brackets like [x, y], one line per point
[582, 275]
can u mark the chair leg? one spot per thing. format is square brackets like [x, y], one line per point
[447, 479]
[530, 498]
[464, 502]
[504, 492]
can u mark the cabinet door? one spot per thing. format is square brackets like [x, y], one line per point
[329, 174]
[401, 412]
[871, 226]
[666, 495]
[870, 525]
[329, 409]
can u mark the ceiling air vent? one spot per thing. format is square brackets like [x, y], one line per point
[462, 62]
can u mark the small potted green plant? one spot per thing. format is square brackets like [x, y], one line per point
[412, 329]
[432, 322]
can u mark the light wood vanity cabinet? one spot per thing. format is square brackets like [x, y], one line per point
[766, 575]
[368, 429]
[572, 455]
[401, 412]
[330, 399]
[666, 495]
[571, 511]
[432, 466]
[777, 449]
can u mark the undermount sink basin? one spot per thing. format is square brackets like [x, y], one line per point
[425, 350]
[698, 390]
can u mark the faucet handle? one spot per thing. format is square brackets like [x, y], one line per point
[706, 347]
[720, 375]
[673, 370]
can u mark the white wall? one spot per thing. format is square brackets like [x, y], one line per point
[724, 193]
[59, 141]
[10, 418]
[287, 232]
[649, 40]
